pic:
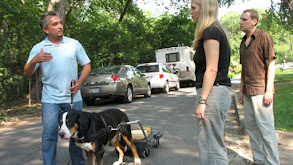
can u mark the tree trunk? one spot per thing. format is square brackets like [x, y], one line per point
[120, 20]
[291, 9]
[124, 11]
[58, 6]
[289, 5]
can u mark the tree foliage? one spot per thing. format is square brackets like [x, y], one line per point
[18, 32]
[231, 22]
[282, 37]
[113, 32]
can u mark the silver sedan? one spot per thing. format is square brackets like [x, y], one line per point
[123, 82]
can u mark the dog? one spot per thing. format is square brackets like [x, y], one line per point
[92, 131]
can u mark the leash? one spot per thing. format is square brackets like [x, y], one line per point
[72, 83]
[72, 95]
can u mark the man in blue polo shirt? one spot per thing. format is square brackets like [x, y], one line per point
[58, 57]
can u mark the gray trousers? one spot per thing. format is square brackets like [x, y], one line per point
[212, 150]
[259, 124]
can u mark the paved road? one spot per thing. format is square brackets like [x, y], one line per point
[171, 113]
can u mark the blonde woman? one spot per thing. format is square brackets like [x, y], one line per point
[212, 59]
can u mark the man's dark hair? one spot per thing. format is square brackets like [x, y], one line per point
[44, 22]
[253, 14]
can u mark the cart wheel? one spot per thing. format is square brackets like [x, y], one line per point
[146, 153]
[157, 143]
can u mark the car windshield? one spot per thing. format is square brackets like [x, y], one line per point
[110, 69]
[149, 68]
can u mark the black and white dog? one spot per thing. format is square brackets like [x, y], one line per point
[91, 131]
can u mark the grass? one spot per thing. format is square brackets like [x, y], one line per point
[284, 76]
[283, 101]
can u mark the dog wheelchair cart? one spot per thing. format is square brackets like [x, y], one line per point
[143, 144]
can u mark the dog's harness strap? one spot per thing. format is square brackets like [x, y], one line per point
[94, 136]
[101, 132]
[105, 124]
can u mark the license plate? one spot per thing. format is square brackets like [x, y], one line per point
[94, 90]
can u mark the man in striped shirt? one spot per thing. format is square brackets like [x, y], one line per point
[257, 58]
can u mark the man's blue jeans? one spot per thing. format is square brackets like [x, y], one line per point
[50, 114]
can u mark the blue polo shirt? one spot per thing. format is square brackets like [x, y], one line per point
[58, 73]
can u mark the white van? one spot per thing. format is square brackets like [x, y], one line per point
[181, 60]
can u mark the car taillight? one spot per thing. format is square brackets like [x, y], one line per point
[161, 76]
[187, 69]
[115, 78]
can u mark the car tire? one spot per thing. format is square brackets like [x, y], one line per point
[166, 87]
[177, 85]
[129, 95]
[149, 91]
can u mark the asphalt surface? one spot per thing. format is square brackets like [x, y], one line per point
[172, 114]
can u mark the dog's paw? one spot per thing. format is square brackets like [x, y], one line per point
[119, 162]
[137, 161]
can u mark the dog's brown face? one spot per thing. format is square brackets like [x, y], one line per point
[68, 122]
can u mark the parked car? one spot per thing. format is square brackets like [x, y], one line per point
[123, 82]
[160, 76]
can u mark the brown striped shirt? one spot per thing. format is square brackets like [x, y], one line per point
[254, 60]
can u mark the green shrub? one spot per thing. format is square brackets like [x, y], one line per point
[12, 87]
[231, 75]
[278, 70]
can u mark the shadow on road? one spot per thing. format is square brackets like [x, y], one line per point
[171, 113]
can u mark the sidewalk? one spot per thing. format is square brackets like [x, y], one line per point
[237, 140]
[284, 138]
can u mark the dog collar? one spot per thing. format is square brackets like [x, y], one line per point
[80, 140]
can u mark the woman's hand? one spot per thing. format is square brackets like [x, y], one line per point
[200, 111]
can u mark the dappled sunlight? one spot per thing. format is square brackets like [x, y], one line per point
[184, 152]
[21, 142]
[172, 114]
